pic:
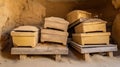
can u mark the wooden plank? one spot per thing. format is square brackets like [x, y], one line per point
[98, 49]
[90, 46]
[107, 48]
[41, 49]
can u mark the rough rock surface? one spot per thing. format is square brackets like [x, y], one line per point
[15, 13]
[116, 30]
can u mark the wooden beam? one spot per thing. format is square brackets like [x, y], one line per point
[41, 49]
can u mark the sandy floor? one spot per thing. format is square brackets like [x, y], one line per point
[67, 61]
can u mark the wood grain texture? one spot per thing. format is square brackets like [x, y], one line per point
[77, 14]
[91, 38]
[83, 28]
[48, 35]
[93, 49]
[41, 49]
[56, 23]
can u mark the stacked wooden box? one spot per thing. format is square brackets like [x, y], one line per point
[53, 39]
[90, 35]
[92, 31]
[55, 30]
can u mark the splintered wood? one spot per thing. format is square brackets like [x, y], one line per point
[41, 49]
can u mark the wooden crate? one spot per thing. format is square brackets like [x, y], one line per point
[91, 27]
[25, 36]
[77, 14]
[41, 49]
[49, 35]
[86, 50]
[91, 38]
[56, 23]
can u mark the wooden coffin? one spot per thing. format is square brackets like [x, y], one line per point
[56, 23]
[25, 36]
[92, 25]
[77, 14]
[49, 35]
[91, 38]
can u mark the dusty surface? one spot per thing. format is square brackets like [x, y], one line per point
[72, 60]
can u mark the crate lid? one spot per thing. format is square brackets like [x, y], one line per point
[26, 28]
[79, 11]
[94, 21]
[56, 19]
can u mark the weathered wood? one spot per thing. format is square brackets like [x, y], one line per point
[74, 24]
[56, 23]
[43, 49]
[22, 57]
[87, 57]
[58, 57]
[77, 14]
[110, 54]
[91, 38]
[92, 49]
[48, 35]
[87, 49]
[25, 37]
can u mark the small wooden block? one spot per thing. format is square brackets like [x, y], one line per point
[23, 57]
[58, 57]
[110, 54]
[87, 57]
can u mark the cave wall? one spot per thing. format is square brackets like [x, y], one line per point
[15, 13]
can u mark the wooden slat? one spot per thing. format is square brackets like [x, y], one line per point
[98, 49]
[41, 49]
[93, 48]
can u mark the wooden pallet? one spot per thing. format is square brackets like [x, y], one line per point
[87, 49]
[41, 49]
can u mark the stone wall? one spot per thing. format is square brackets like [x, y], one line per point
[14, 13]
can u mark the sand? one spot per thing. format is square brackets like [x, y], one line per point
[67, 61]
